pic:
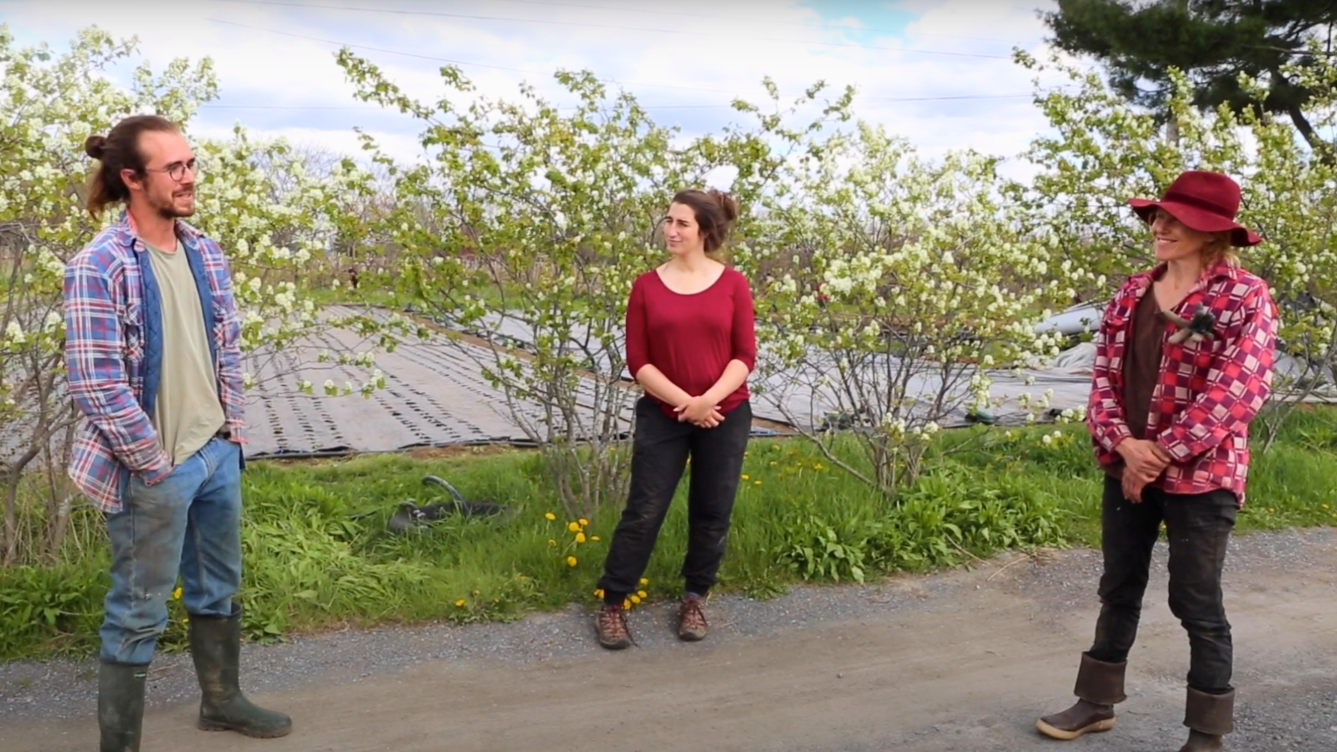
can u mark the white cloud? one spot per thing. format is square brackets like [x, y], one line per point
[403, 147]
[696, 56]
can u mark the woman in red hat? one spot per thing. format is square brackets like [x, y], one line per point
[1183, 363]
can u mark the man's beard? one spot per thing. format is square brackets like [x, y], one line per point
[167, 209]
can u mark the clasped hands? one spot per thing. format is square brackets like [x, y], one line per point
[700, 411]
[1144, 461]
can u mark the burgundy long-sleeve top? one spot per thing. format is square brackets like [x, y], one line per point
[692, 338]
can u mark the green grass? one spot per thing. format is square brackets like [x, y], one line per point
[317, 554]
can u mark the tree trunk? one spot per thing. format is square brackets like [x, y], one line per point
[13, 475]
[1172, 130]
[1325, 151]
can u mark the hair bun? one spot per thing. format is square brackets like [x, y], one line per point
[726, 203]
[95, 146]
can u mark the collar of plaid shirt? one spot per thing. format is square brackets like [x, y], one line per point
[1209, 390]
[113, 355]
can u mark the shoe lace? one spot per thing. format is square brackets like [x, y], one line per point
[690, 614]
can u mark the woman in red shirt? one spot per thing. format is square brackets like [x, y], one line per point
[1183, 363]
[690, 345]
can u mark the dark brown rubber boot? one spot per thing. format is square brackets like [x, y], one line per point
[1099, 688]
[1209, 717]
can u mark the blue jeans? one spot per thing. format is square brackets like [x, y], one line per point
[188, 524]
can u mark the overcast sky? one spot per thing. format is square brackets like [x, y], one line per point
[935, 71]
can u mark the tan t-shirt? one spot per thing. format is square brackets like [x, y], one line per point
[188, 412]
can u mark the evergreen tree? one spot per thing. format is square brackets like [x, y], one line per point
[1211, 41]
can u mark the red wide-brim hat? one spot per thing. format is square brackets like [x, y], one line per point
[1202, 201]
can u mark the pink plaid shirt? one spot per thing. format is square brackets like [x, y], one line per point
[1209, 389]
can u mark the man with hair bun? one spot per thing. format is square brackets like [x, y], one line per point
[154, 366]
[691, 345]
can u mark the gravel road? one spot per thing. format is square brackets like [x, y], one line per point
[963, 660]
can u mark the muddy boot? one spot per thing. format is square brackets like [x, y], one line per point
[120, 705]
[1209, 717]
[1099, 688]
[215, 644]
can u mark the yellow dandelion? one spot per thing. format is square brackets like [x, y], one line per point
[635, 599]
[459, 603]
[583, 522]
[176, 594]
[642, 593]
[550, 516]
[626, 604]
[574, 527]
[746, 476]
[599, 593]
[644, 582]
[185, 620]
[580, 537]
[571, 561]
[1325, 506]
[756, 483]
[818, 466]
[594, 538]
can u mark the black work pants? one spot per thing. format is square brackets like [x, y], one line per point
[661, 446]
[1198, 527]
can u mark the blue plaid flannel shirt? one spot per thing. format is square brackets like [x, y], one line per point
[109, 344]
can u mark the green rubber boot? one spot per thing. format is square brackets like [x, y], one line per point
[215, 644]
[120, 705]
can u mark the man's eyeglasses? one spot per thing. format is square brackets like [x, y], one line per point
[177, 170]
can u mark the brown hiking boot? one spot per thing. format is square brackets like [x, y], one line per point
[1099, 688]
[692, 625]
[611, 624]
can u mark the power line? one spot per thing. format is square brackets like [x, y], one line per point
[877, 100]
[607, 26]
